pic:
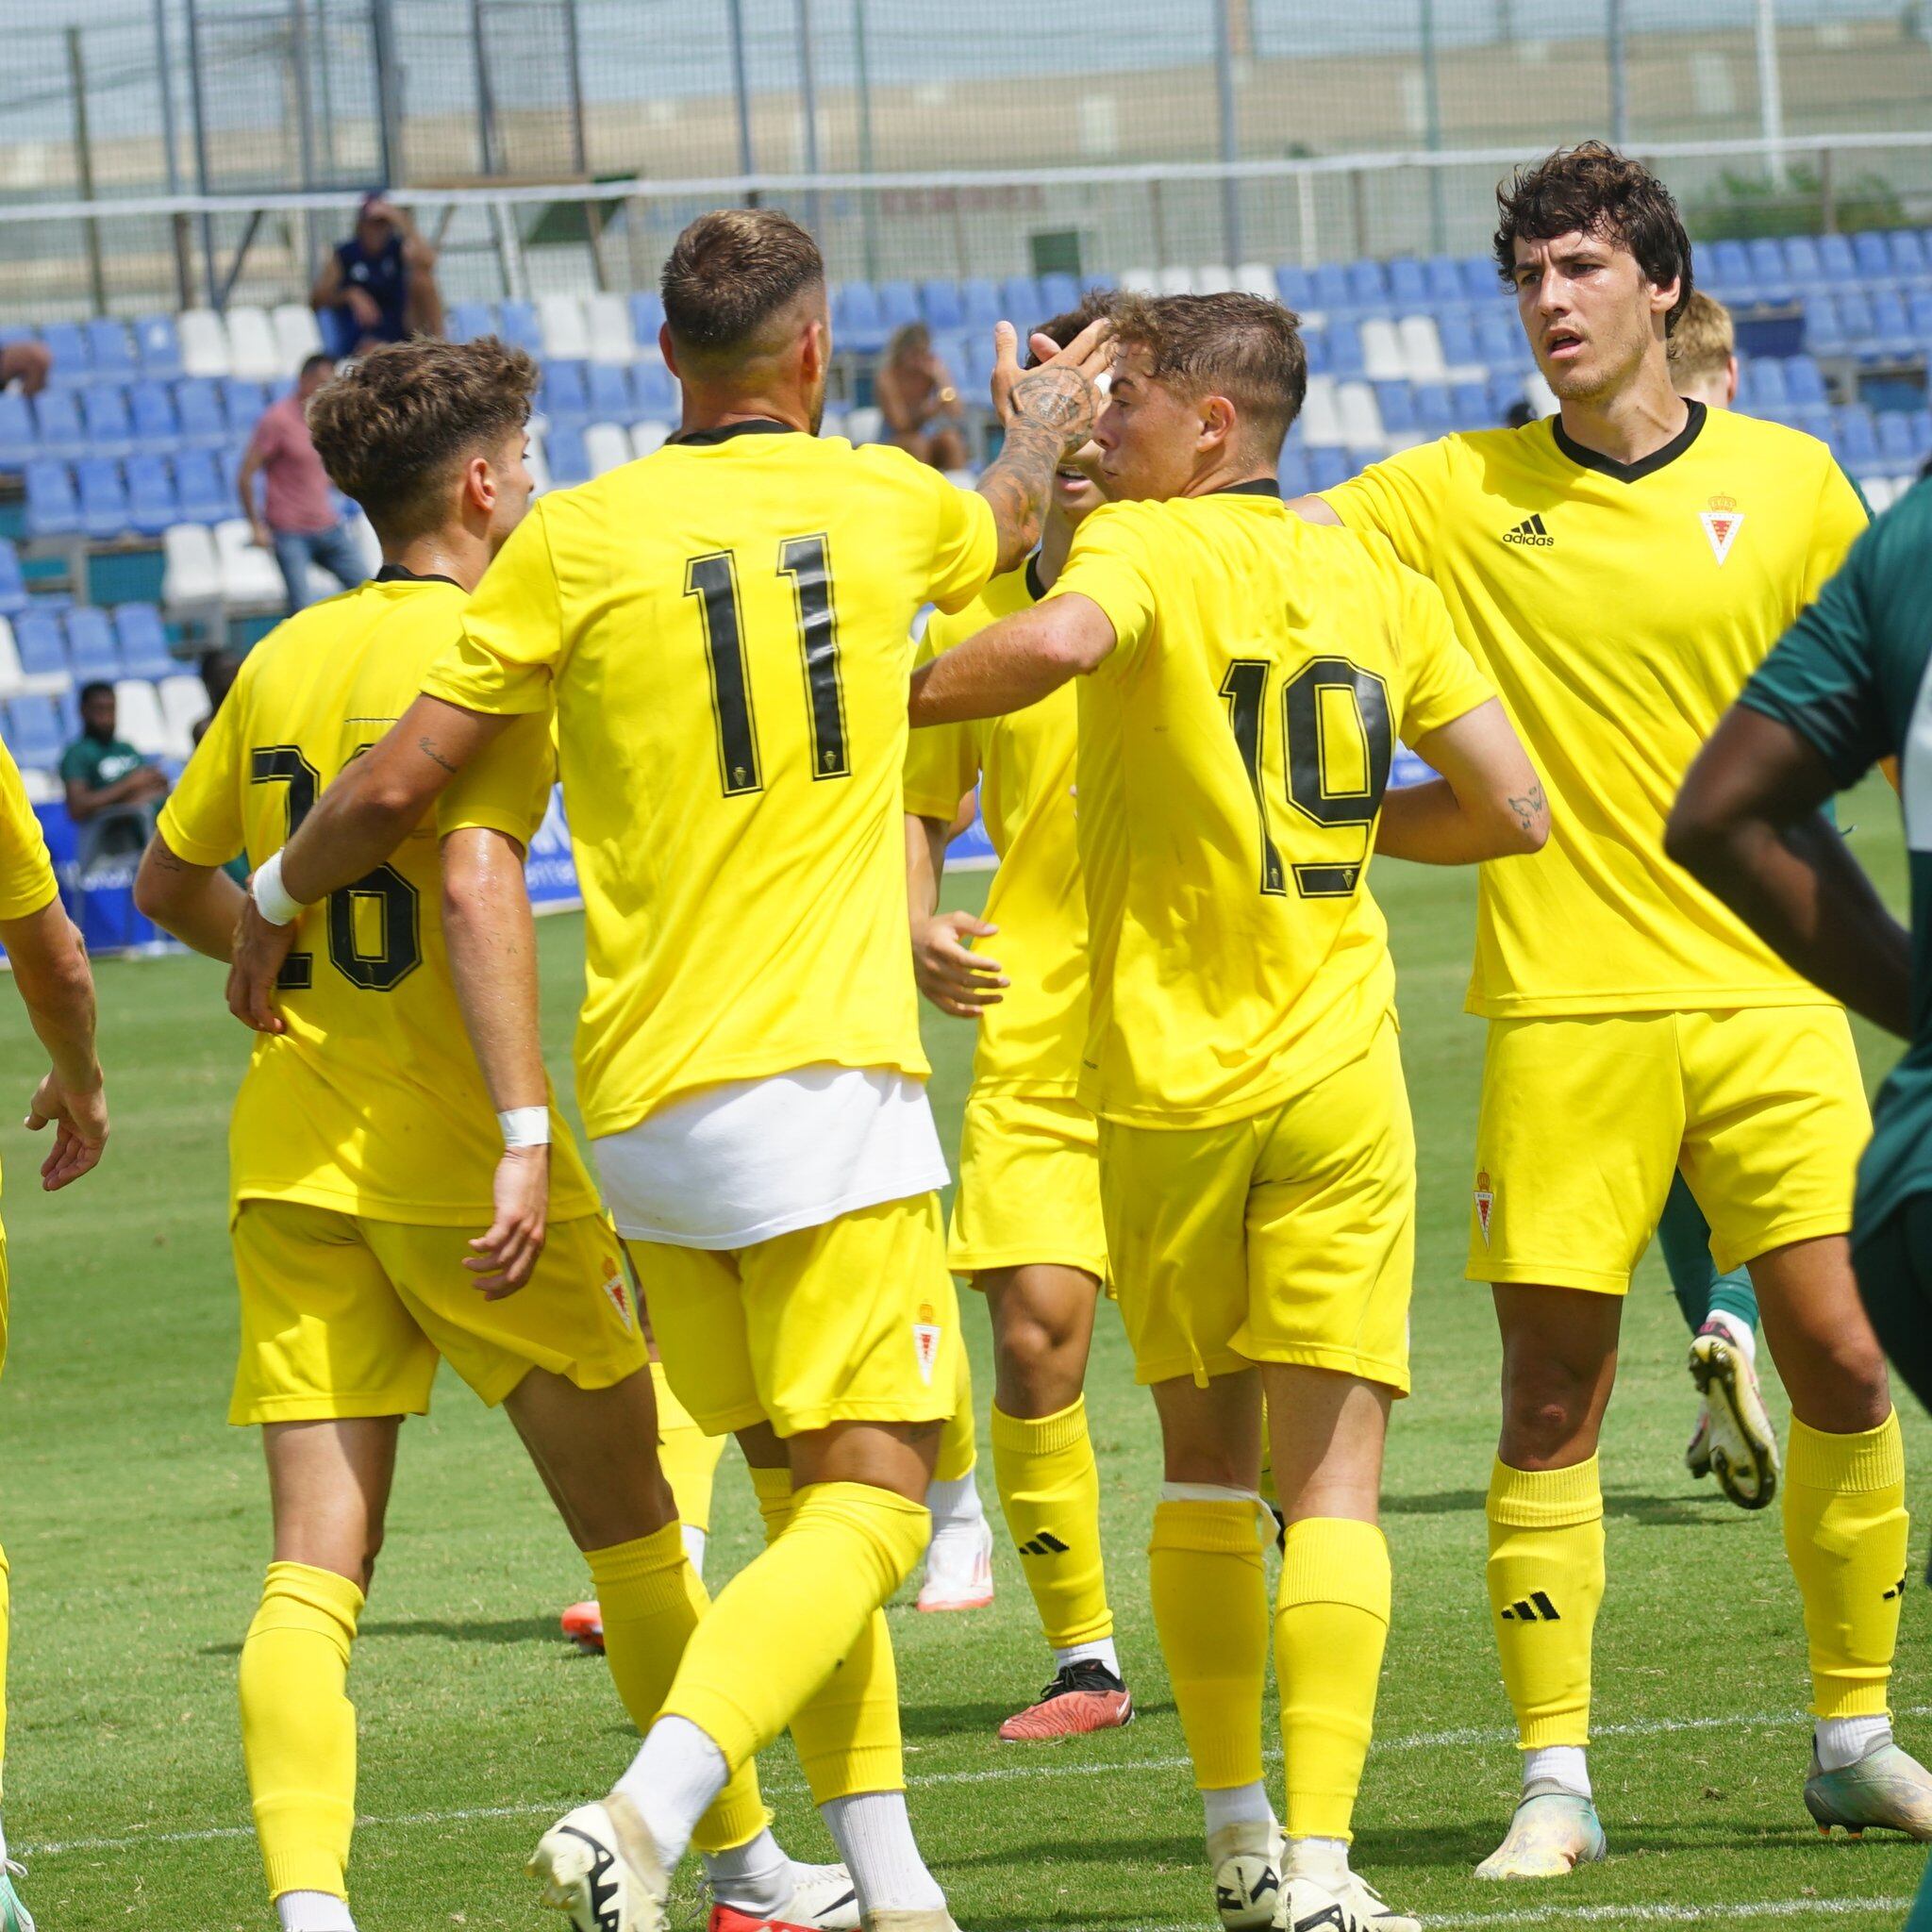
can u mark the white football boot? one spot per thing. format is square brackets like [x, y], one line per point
[601, 1867]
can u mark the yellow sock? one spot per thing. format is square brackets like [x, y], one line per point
[1050, 1494]
[1547, 1579]
[652, 1600]
[1845, 1526]
[959, 1445]
[1210, 1606]
[298, 1727]
[1331, 1624]
[687, 1456]
[847, 1733]
[786, 1621]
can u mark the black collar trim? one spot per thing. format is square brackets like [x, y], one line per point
[1035, 589]
[395, 573]
[1255, 486]
[1643, 466]
[752, 426]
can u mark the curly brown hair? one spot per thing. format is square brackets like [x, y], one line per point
[1243, 347]
[392, 426]
[729, 276]
[1593, 190]
[1063, 327]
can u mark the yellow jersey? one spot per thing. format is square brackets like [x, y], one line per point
[1618, 610]
[723, 629]
[372, 1102]
[27, 874]
[1024, 766]
[1234, 750]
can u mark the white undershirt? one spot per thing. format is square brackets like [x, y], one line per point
[749, 1160]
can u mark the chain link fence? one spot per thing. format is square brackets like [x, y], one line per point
[1016, 134]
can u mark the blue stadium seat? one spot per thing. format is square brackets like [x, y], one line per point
[1294, 471]
[1921, 421]
[34, 733]
[13, 597]
[42, 649]
[198, 489]
[1328, 468]
[975, 362]
[1470, 405]
[1836, 259]
[66, 341]
[899, 305]
[939, 304]
[152, 507]
[245, 402]
[980, 304]
[1727, 267]
[1460, 349]
[1804, 265]
[1824, 331]
[1768, 268]
[1893, 430]
[111, 351]
[609, 392]
[58, 425]
[1499, 340]
[155, 428]
[1296, 287]
[517, 325]
[1909, 256]
[1853, 437]
[52, 508]
[1803, 381]
[857, 325]
[92, 650]
[1814, 419]
[1918, 316]
[1408, 284]
[1442, 276]
[144, 643]
[469, 320]
[228, 467]
[103, 497]
[1872, 257]
[1480, 280]
[1367, 284]
[1506, 392]
[18, 440]
[646, 317]
[1328, 287]
[104, 414]
[656, 390]
[1397, 406]
[1344, 347]
[1058, 291]
[1891, 329]
[1435, 409]
[1021, 300]
[563, 448]
[1315, 346]
[565, 395]
[160, 347]
[1768, 382]
[198, 407]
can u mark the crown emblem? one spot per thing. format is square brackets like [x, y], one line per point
[1723, 506]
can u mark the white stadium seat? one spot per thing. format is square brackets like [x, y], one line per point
[297, 335]
[13, 679]
[1140, 281]
[1258, 278]
[565, 333]
[183, 705]
[608, 447]
[139, 718]
[1382, 357]
[865, 425]
[204, 343]
[1422, 349]
[832, 423]
[190, 572]
[1319, 425]
[1361, 416]
[252, 343]
[249, 576]
[367, 547]
[1216, 278]
[647, 438]
[1177, 282]
[1542, 397]
[42, 788]
[607, 321]
[539, 465]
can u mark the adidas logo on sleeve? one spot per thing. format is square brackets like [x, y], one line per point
[1531, 533]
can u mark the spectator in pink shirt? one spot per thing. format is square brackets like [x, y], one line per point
[298, 519]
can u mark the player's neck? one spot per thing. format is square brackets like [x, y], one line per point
[458, 556]
[721, 408]
[1056, 540]
[1227, 472]
[1632, 423]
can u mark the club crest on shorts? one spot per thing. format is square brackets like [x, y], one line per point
[1485, 1204]
[1722, 522]
[926, 1341]
[613, 1287]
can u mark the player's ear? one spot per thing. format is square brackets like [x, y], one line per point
[479, 484]
[817, 348]
[665, 348]
[1217, 423]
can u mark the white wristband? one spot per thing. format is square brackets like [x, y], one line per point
[524, 1126]
[272, 898]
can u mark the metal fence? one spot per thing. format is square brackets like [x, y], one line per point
[917, 139]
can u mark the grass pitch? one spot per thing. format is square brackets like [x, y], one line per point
[136, 1523]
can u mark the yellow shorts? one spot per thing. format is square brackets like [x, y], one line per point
[1029, 1185]
[1585, 1121]
[345, 1316]
[852, 1321]
[1287, 1237]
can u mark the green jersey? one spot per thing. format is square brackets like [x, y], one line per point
[1850, 677]
[99, 762]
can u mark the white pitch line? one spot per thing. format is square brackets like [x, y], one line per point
[1003, 1774]
[1615, 1914]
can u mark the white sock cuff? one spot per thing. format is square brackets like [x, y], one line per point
[955, 1504]
[313, 1911]
[1843, 1740]
[1207, 1492]
[1237, 1805]
[1566, 1765]
[1101, 1651]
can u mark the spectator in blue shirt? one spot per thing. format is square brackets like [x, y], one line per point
[380, 286]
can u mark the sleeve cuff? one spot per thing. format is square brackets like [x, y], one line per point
[195, 851]
[1846, 764]
[506, 700]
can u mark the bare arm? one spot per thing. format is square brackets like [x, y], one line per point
[492, 958]
[326, 292]
[50, 969]
[245, 489]
[1312, 510]
[1746, 827]
[893, 404]
[1047, 413]
[1487, 803]
[950, 974]
[1013, 663]
[356, 824]
[198, 904]
[85, 801]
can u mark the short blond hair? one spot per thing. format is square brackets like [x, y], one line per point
[1704, 341]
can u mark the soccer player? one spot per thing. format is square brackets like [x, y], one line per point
[1027, 1223]
[51, 974]
[1845, 690]
[1245, 677]
[364, 1155]
[1620, 569]
[721, 632]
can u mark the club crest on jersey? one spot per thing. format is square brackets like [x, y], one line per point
[926, 1341]
[1722, 522]
[613, 1287]
[1485, 1204]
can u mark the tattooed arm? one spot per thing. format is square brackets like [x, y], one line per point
[1487, 803]
[1047, 413]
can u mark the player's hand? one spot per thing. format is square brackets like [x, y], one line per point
[363, 307]
[504, 1258]
[1058, 394]
[950, 974]
[79, 1117]
[257, 962]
